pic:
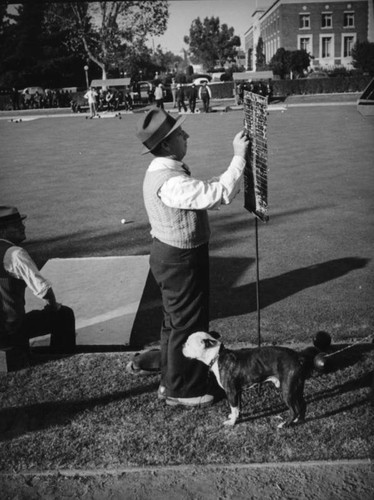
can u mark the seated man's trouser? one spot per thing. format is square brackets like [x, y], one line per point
[59, 324]
[183, 278]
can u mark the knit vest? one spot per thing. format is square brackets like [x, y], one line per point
[176, 227]
[12, 296]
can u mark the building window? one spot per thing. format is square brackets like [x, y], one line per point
[349, 20]
[304, 21]
[326, 21]
[348, 43]
[326, 46]
[305, 44]
[250, 62]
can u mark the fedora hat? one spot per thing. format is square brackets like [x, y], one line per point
[9, 215]
[155, 126]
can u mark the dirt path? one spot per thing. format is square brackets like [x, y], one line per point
[344, 480]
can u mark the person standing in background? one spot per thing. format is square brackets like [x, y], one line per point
[180, 98]
[205, 95]
[173, 88]
[192, 98]
[159, 96]
[91, 96]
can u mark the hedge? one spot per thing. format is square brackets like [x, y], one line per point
[329, 85]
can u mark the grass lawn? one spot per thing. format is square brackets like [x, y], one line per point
[77, 178]
[85, 412]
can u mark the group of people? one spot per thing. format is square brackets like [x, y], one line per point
[112, 99]
[107, 99]
[203, 93]
[260, 88]
[50, 98]
[180, 95]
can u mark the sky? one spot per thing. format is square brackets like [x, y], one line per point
[235, 13]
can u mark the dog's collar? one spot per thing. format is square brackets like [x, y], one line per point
[215, 359]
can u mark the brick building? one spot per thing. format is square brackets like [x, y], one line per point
[326, 29]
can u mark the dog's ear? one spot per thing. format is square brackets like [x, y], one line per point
[215, 335]
[209, 343]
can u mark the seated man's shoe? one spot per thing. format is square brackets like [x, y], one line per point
[135, 370]
[145, 363]
[205, 400]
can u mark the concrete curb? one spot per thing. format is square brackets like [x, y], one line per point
[366, 464]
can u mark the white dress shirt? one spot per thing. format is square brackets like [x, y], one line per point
[19, 264]
[91, 95]
[186, 192]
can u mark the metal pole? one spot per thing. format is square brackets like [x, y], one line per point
[86, 72]
[258, 286]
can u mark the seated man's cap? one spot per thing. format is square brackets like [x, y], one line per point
[9, 215]
[155, 126]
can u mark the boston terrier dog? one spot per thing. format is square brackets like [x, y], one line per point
[235, 369]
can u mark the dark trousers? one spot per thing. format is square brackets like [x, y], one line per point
[206, 100]
[181, 105]
[183, 278]
[60, 324]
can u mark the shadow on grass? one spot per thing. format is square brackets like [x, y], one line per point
[226, 299]
[134, 238]
[20, 420]
[341, 356]
[323, 395]
[89, 243]
[229, 301]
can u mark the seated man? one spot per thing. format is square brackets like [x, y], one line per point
[18, 270]
[109, 98]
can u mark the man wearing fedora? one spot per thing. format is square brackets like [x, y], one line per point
[18, 270]
[177, 205]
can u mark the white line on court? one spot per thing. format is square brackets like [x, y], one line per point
[100, 318]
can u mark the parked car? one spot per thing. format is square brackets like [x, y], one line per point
[142, 92]
[34, 90]
[200, 81]
[318, 74]
[217, 77]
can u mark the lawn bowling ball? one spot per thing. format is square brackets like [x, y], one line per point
[322, 340]
[320, 361]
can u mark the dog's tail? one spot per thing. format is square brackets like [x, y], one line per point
[306, 360]
[321, 343]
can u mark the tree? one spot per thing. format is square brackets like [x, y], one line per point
[165, 61]
[21, 43]
[280, 63]
[260, 56]
[211, 43]
[363, 57]
[110, 33]
[299, 62]
[30, 55]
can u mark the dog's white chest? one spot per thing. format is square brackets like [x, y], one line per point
[215, 370]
